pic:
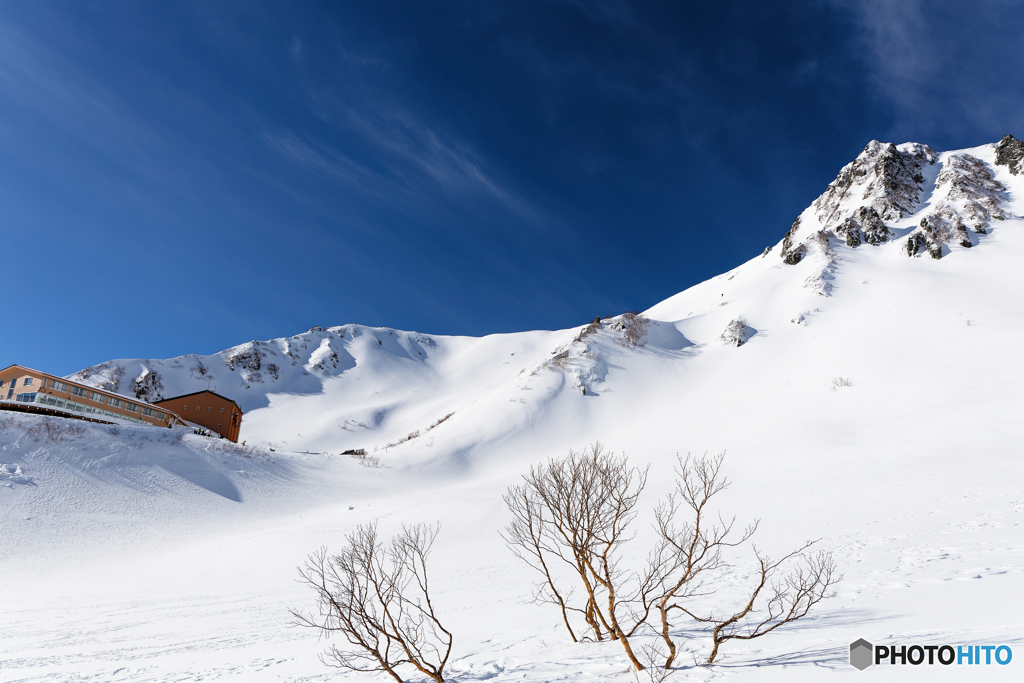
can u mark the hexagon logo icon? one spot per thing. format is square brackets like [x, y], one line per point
[861, 654]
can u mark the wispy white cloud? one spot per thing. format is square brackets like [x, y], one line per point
[295, 49]
[402, 158]
[939, 64]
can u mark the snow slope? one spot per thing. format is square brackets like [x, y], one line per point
[867, 394]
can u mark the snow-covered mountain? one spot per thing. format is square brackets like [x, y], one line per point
[861, 374]
[353, 386]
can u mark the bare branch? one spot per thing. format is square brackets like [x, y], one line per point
[791, 599]
[377, 598]
[575, 513]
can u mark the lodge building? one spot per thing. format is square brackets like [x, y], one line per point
[26, 390]
[208, 410]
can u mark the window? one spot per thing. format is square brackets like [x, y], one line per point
[115, 402]
[198, 408]
[1, 382]
[57, 385]
[211, 410]
[222, 410]
[27, 382]
[147, 411]
[99, 398]
[27, 398]
[186, 407]
[159, 416]
[131, 407]
[77, 391]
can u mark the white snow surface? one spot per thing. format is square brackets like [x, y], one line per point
[141, 554]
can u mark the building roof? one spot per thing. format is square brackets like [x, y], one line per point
[196, 393]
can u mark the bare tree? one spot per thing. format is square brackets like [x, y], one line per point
[574, 513]
[571, 518]
[791, 599]
[377, 598]
[697, 545]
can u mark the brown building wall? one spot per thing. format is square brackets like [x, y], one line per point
[209, 410]
[59, 391]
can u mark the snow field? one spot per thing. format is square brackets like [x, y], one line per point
[143, 556]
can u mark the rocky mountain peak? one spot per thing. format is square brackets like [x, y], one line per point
[883, 177]
[884, 185]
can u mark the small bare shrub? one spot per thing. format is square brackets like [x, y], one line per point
[590, 329]
[634, 327]
[840, 382]
[441, 421]
[651, 655]
[377, 598]
[365, 460]
[53, 431]
[409, 437]
[560, 359]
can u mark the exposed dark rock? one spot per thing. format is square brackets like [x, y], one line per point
[890, 177]
[793, 257]
[328, 362]
[247, 359]
[787, 240]
[1010, 153]
[875, 232]
[914, 244]
[935, 251]
[850, 230]
[967, 196]
[766, 250]
[966, 243]
[315, 328]
[148, 386]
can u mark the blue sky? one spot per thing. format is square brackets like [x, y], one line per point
[180, 177]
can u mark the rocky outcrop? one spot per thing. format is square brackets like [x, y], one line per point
[966, 198]
[882, 184]
[148, 386]
[787, 240]
[736, 333]
[883, 177]
[794, 256]
[914, 244]
[865, 225]
[1010, 153]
